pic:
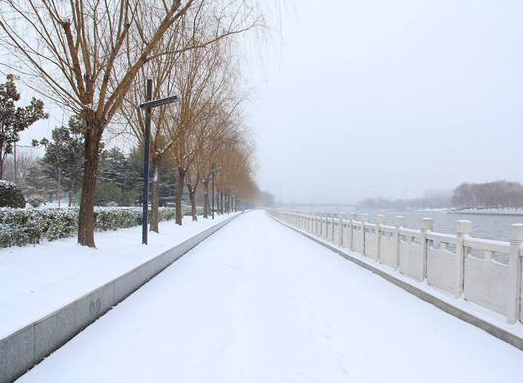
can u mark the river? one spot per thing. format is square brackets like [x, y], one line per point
[496, 227]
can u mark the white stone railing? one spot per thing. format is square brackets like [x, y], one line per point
[470, 268]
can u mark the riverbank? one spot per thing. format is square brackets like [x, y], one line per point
[497, 212]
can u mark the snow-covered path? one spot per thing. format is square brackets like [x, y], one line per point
[38, 280]
[258, 302]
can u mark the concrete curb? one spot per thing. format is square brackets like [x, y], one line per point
[28, 346]
[498, 332]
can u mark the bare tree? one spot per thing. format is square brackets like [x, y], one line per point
[158, 69]
[85, 54]
[196, 80]
[497, 194]
[236, 177]
[76, 48]
[26, 158]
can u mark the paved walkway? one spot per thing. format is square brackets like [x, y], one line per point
[258, 302]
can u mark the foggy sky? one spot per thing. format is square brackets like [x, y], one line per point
[390, 98]
[381, 98]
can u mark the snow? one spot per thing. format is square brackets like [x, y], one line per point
[478, 311]
[54, 204]
[488, 211]
[258, 302]
[37, 280]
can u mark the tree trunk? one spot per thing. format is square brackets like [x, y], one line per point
[59, 186]
[154, 194]
[179, 192]
[71, 196]
[205, 199]
[192, 198]
[221, 202]
[86, 215]
[1, 167]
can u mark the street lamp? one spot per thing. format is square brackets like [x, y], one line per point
[215, 169]
[148, 105]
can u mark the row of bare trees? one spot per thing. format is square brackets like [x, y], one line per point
[497, 194]
[92, 57]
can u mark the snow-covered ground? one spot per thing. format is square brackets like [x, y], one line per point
[37, 280]
[258, 302]
[493, 211]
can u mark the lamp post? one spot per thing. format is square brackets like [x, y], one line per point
[215, 169]
[148, 105]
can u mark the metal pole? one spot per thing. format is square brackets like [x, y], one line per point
[15, 167]
[213, 174]
[146, 154]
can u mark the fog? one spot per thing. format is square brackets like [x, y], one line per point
[389, 98]
[378, 98]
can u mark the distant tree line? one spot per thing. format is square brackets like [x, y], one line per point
[497, 194]
[267, 199]
[440, 200]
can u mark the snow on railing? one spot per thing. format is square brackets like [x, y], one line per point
[486, 272]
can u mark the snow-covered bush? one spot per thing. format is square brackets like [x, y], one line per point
[30, 226]
[11, 195]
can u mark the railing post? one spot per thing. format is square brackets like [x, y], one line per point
[464, 228]
[514, 273]
[364, 218]
[351, 230]
[380, 220]
[328, 220]
[427, 224]
[324, 228]
[333, 221]
[304, 221]
[326, 234]
[400, 223]
[340, 222]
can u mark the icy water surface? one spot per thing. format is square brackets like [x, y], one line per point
[496, 227]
